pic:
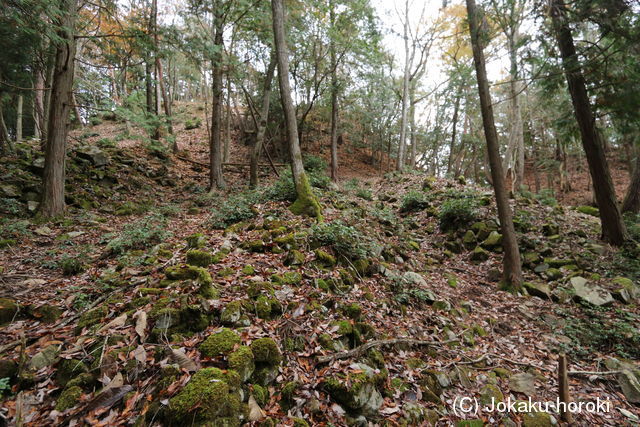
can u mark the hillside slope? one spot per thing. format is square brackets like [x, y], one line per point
[156, 303]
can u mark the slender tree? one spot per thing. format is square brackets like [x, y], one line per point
[512, 272]
[306, 202]
[262, 124]
[613, 228]
[216, 178]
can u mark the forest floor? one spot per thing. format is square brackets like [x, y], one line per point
[122, 312]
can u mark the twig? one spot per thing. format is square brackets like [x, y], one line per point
[378, 343]
[578, 373]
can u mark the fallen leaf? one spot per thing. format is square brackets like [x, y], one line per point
[141, 324]
[179, 357]
[115, 323]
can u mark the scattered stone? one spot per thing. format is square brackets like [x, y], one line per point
[199, 258]
[242, 361]
[479, 254]
[536, 289]
[8, 310]
[95, 155]
[44, 358]
[294, 257]
[493, 240]
[590, 293]
[231, 313]
[523, 383]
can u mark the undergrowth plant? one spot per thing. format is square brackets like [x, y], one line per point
[141, 234]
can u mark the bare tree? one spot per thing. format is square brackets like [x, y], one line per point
[262, 124]
[306, 202]
[512, 272]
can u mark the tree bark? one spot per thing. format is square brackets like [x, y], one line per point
[19, 119]
[262, 125]
[54, 167]
[452, 146]
[512, 272]
[38, 102]
[5, 142]
[632, 199]
[613, 228]
[405, 93]
[306, 202]
[334, 97]
[216, 177]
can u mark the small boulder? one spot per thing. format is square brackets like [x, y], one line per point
[590, 293]
[479, 254]
[523, 383]
[95, 155]
[540, 290]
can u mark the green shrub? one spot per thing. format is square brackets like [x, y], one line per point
[140, 234]
[233, 210]
[314, 164]
[345, 240]
[283, 190]
[365, 194]
[414, 201]
[106, 143]
[546, 196]
[192, 123]
[95, 121]
[457, 213]
[72, 265]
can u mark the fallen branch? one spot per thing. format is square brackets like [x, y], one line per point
[577, 373]
[379, 343]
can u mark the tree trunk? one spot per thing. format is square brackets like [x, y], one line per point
[19, 119]
[148, 85]
[227, 122]
[262, 125]
[405, 94]
[216, 178]
[38, 103]
[412, 124]
[62, 85]
[306, 202]
[5, 142]
[632, 199]
[512, 274]
[452, 146]
[334, 97]
[613, 228]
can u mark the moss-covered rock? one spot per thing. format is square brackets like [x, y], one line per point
[211, 397]
[92, 317]
[363, 267]
[231, 313]
[287, 278]
[221, 342]
[493, 240]
[263, 307]
[242, 361]
[353, 310]
[68, 369]
[324, 258]
[196, 241]
[8, 310]
[265, 350]
[287, 394]
[307, 202]
[208, 291]
[46, 313]
[261, 394]
[357, 393]
[199, 258]
[294, 257]
[254, 246]
[537, 419]
[490, 395]
[85, 381]
[589, 210]
[479, 254]
[188, 272]
[299, 422]
[69, 398]
[8, 368]
[248, 270]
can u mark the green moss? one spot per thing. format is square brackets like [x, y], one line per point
[226, 272]
[254, 246]
[491, 395]
[306, 203]
[221, 342]
[199, 258]
[69, 398]
[286, 395]
[294, 257]
[8, 368]
[188, 272]
[263, 307]
[261, 394]
[151, 291]
[299, 422]
[46, 313]
[265, 350]
[68, 369]
[414, 363]
[231, 313]
[211, 397]
[84, 381]
[92, 317]
[8, 310]
[196, 241]
[362, 266]
[589, 210]
[325, 258]
[326, 342]
[242, 361]
[287, 278]
[248, 270]
[353, 311]
[207, 291]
